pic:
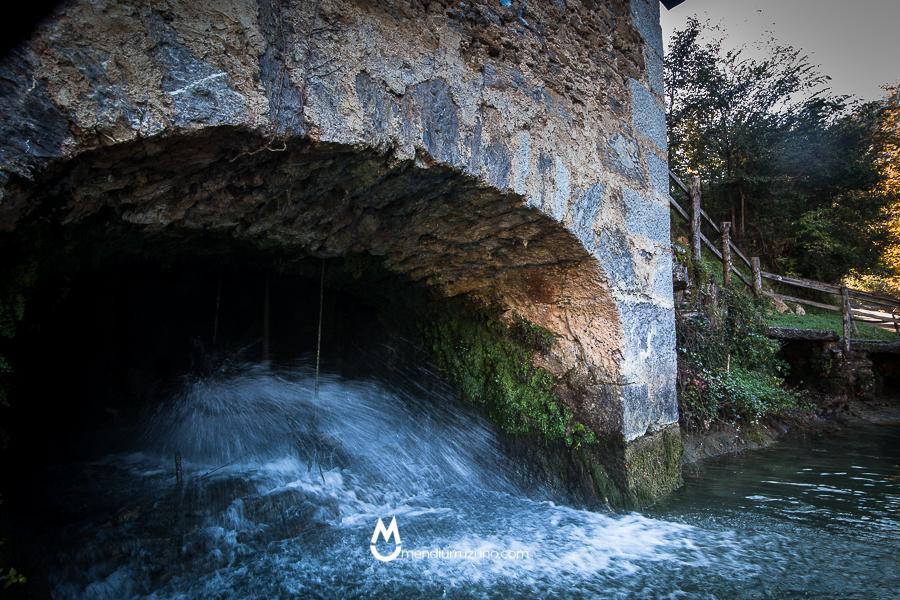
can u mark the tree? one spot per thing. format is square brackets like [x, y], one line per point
[786, 161]
[885, 276]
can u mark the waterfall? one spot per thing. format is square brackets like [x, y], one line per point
[252, 519]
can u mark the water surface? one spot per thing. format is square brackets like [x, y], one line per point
[281, 489]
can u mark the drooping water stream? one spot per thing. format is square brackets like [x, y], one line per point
[281, 493]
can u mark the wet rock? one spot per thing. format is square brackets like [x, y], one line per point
[32, 128]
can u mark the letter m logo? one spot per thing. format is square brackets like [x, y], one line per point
[386, 534]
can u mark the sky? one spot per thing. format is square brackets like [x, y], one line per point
[856, 42]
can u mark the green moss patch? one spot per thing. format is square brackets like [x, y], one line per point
[490, 362]
[653, 465]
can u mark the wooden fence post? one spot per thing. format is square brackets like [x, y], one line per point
[694, 193]
[757, 276]
[847, 317]
[726, 252]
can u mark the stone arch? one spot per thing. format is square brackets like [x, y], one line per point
[521, 165]
[425, 222]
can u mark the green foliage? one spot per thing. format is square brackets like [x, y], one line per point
[737, 394]
[884, 277]
[490, 362]
[10, 577]
[728, 367]
[829, 321]
[793, 167]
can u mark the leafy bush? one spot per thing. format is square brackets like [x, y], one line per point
[728, 368]
[747, 394]
[10, 577]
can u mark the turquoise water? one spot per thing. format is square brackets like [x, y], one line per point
[816, 517]
[281, 492]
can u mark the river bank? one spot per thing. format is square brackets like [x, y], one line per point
[828, 417]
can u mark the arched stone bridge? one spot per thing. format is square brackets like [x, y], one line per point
[514, 153]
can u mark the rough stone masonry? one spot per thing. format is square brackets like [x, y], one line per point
[512, 151]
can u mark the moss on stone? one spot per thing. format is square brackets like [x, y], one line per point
[653, 465]
[490, 362]
[604, 486]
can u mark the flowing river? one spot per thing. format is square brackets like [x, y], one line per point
[277, 494]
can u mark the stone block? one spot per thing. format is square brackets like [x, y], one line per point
[647, 115]
[646, 217]
[659, 174]
[645, 16]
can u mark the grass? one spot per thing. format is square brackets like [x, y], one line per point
[830, 322]
[813, 319]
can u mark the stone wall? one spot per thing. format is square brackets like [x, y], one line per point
[516, 153]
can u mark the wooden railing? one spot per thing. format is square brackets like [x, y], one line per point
[854, 305]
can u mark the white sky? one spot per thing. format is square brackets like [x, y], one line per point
[856, 42]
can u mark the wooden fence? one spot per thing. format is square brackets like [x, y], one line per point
[854, 305]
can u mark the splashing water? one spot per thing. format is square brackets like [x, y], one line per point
[281, 494]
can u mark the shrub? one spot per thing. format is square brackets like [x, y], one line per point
[728, 368]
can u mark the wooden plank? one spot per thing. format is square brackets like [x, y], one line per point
[711, 246]
[741, 255]
[860, 315]
[873, 306]
[681, 212]
[791, 333]
[796, 300]
[718, 230]
[709, 220]
[703, 213]
[875, 298]
[678, 182]
[803, 283]
[870, 321]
